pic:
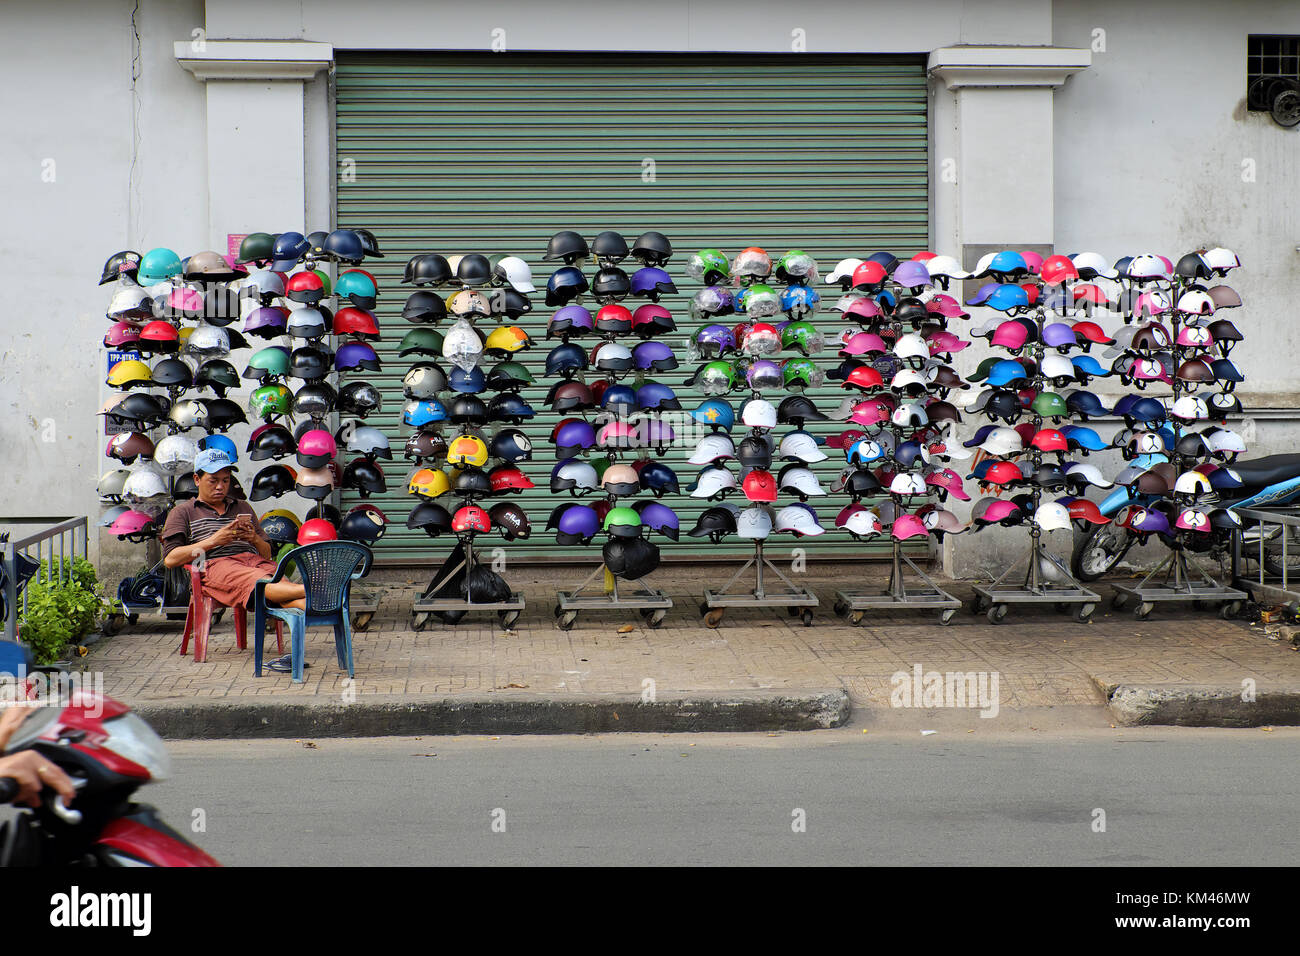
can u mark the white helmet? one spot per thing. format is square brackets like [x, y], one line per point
[905, 377]
[1052, 516]
[1221, 258]
[1094, 261]
[800, 520]
[112, 482]
[801, 446]
[910, 415]
[1195, 302]
[1191, 483]
[1056, 366]
[1190, 409]
[462, 346]
[175, 454]
[1223, 442]
[518, 274]
[847, 404]
[145, 482]
[802, 481]
[1002, 441]
[846, 300]
[843, 270]
[1090, 474]
[910, 346]
[366, 439]
[187, 413]
[208, 340]
[714, 482]
[908, 484]
[758, 413]
[946, 266]
[940, 519]
[262, 282]
[755, 522]
[864, 523]
[130, 302]
[421, 381]
[945, 449]
[711, 448]
[581, 473]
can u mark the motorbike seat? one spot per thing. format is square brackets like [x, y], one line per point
[1259, 473]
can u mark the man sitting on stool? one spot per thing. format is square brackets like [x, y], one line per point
[225, 534]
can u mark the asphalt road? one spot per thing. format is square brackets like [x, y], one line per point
[1169, 795]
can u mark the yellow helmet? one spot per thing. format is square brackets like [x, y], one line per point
[129, 372]
[428, 483]
[467, 450]
[466, 302]
[507, 338]
[283, 513]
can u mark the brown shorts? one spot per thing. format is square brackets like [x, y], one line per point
[232, 580]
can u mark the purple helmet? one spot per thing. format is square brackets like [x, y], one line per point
[573, 437]
[1150, 520]
[911, 273]
[577, 525]
[764, 373]
[266, 322]
[659, 517]
[652, 433]
[652, 395]
[715, 340]
[652, 283]
[654, 355]
[356, 355]
[572, 319]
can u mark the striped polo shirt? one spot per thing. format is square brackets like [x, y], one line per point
[195, 520]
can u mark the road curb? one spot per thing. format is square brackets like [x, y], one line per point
[1201, 705]
[381, 716]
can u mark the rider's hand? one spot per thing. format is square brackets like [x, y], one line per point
[32, 771]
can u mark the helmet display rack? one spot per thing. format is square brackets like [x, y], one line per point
[1179, 578]
[853, 603]
[610, 287]
[1046, 579]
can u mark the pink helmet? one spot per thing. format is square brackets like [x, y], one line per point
[907, 526]
[1192, 519]
[948, 480]
[945, 342]
[131, 523]
[1195, 337]
[121, 333]
[1150, 370]
[1001, 510]
[316, 448]
[185, 299]
[863, 343]
[863, 309]
[648, 313]
[617, 435]
[1033, 260]
[947, 306]
[870, 412]
[1010, 334]
[1151, 303]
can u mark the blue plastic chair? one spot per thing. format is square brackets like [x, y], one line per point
[328, 569]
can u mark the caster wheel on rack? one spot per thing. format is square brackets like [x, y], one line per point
[509, 618]
[557, 611]
[857, 617]
[1143, 610]
[1084, 613]
[1230, 610]
[713, 617]
[977, 605]
[946, 616]
[567, 620]
[419, 620]
[807, 617]
[839, 608]
[362, 620]
[1119, 600]
[1199, 605]
[113, 624]
[704, 609]
[997, 613]
[656, 617]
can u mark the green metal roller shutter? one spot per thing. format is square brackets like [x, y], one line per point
[492, 153]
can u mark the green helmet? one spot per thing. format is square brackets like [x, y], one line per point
[272, 360]
[601, 464]
[257, 247]
[324, 281]
[982, 371]
[710, 266]
[1049, 405]
[622, 521]
[801, 337]
[270, 400]
[801, 373]
[796, 266]
[716, 378]
[157, 265]
[514, 371]
[424, 341]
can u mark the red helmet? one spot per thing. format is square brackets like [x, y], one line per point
[1004, 473]
[759, 485]
[350, 321]
[1057, 270]
[868, 274]
[507, 478]
[317, 529]
[471, 518]
[863, 377]
[1091, 332]
[1049, 439]
[306, 287]
[1081, 509]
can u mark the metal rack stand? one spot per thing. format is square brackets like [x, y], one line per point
[853, 603]
[651, 603]
[426, 603]
[796, 600]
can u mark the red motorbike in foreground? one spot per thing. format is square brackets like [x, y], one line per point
[109, 752]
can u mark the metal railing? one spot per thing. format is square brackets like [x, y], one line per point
[1267, 527]
[65, 531]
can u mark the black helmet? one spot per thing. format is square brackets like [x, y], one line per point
[510, 520]
[427, 269]
[609, 248]
[468, 410]
[426, 445]
[275, 441]
[510, 444]
[652, 248]
[514, 304]
[754, 452]
[630, 558]
[424, 306]
[911, 309]
[364, 475]
[473, 271]
[124, 263]
[316, 243]
[658, 478]
[1192, 445]
[1192, 266]
[566, 359]
[1049, 476]
[309, 363]
[216, 374]
[185, 488]
[326, 512]
[472, 482]
[344, 245]
[315, 398]
[431, 518]
[272, 482]
[796, 409]
[221, 306]
[369, 244]
[611, 283]
[717, 523]
[222, 413]
[364, 523]
[146, 410]
[1004, 405]
[509, 407]
[173, 373]
[861, 483]
[358, 398]
[567, 245]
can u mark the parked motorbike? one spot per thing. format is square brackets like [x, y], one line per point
[109, 752]
[1267, 482]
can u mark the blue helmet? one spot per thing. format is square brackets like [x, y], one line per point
[220, 443]
[471, 382]
[423, 412]
[652, 395]
[1008, 297]
[1085, 404]
[1084, 437]
[1009, 262]
[799, 300]
[1088, 365]
[1005, 372]
[716, 413]
[619, 399]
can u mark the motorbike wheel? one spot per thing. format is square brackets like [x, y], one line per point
[1273, 553]
[1099, 550]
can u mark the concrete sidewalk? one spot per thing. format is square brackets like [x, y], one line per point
[760, 670]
